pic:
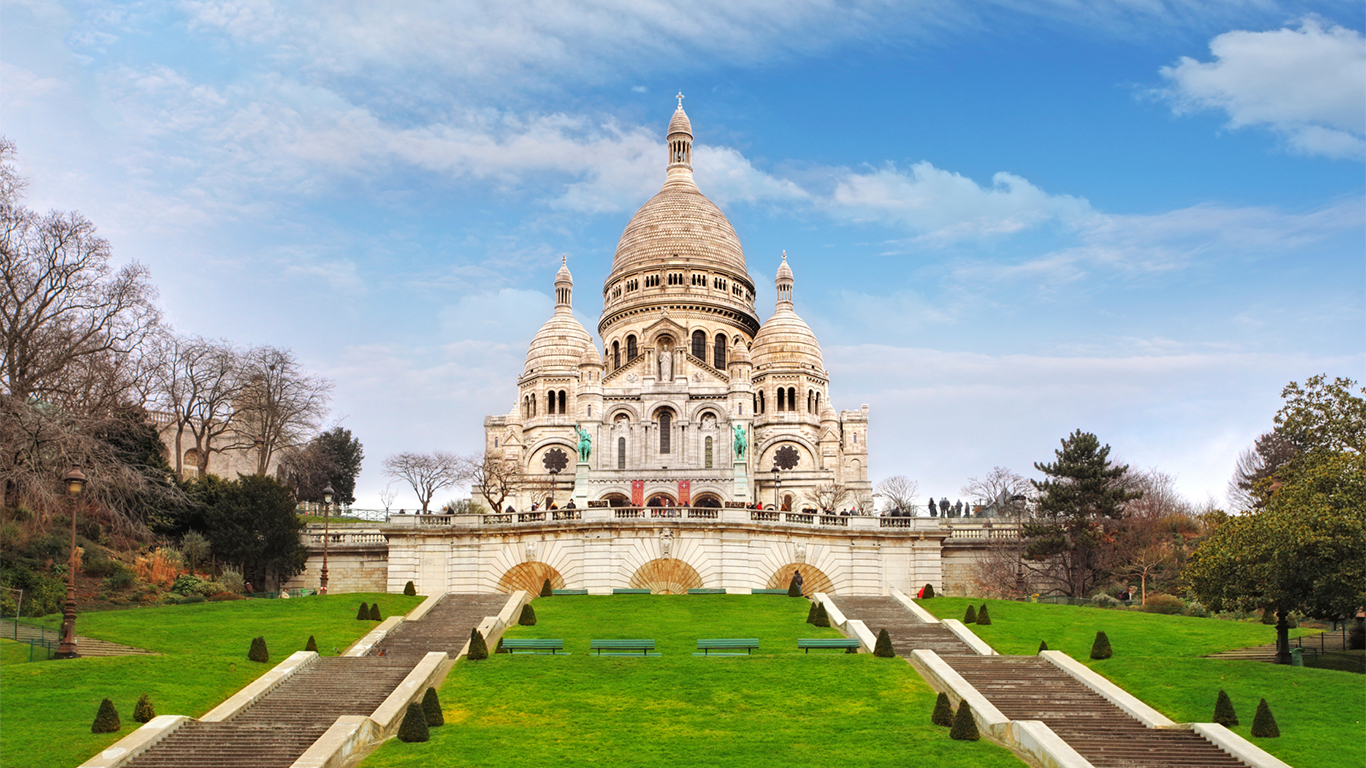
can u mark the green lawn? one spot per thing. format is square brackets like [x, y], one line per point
[12, 652]
[48, 706]
[778, 708]
[1157, 658]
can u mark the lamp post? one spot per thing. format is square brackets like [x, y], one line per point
[327, 535]
[66, 649]
[777, 487]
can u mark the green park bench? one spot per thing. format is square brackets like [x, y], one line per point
[525, 645]
[623, 647]
[630, 591]
[842, 643]
[729, 645]
[769, 592]
[707, 591]
[558, 592]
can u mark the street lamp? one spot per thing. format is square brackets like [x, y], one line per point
[327, 535]
[777, 487]
[66, 649]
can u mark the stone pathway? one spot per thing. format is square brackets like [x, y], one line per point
[1325, 642]
[87, 646]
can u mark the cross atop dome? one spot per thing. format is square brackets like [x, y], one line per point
[680, 99]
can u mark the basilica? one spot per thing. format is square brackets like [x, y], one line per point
[691, 401]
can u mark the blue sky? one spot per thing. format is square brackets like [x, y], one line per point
[1007, 220]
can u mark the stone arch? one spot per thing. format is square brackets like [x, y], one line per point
[813, 579]
[665, 498]
[666, 576]
[707, 499]
[706, 409]
[616, 499]
[766, 460]
[530, 576]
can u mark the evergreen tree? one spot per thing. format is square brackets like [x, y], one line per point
[107, 719]
[971, 616]
[431, 707]
[546, 590]
[811, 614]
[983, 618]
[928, 592]
[374, 612]
[143, 711]
[479, 650]
[1043, 646]
[1101, 649]
[822, 617]
[414, 725]
[883, 648]
[943, 711]
[363, 614]
[311, 645]
[253, 523]
[1263, 724]
[793, 588]
[964, 724]
[1223, 710]
[410, 589]
[258, 650]
[528, 617]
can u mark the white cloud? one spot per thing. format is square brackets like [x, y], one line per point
[1306, 84]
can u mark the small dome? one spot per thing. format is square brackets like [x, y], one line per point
[784, 271]
[785, 341]
[591, 356]
[828, 413]
[563, 275]
[559, 343]
[740, 353]
[680, 122]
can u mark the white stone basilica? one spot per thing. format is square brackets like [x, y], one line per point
[691, 402]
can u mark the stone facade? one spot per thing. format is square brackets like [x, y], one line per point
[686, 374]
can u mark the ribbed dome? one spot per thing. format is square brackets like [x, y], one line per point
[680, 122]
[785, 341]
[679, 221]
[559, 343]
[590, 356]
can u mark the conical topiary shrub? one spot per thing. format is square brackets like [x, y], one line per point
[943, 711]
[546, 590]
[258, 650]
[528, 617]
[1223, 710]
[374, 612]
[363, 614]
[883, 648]
[311, 645]
[793, 588]
[971, 616]
[143, 710]
[1101, 649]
[479, 650]
[964, 724]
[500, 648]
[983, 618]
[822, 617]
[107, 719]
[811, 614]
[1043, 646]
[414, 725]
[431, 707]
[928, 592]
[410, 589]
[1263, 724]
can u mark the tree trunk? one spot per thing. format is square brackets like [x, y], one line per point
[1282, 636]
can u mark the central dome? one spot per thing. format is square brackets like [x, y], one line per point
[679, 224]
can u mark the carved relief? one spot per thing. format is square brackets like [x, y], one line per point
[666, 543]
[799, 553]
[531, 552]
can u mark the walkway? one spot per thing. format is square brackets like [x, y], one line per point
[1325, 642]
[275, 731]
[1031, 688]
[86, 646]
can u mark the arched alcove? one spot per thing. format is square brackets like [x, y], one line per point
[666, 576]
[530, 577]
[813, 579]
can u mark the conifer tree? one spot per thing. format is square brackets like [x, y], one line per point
[1223, 710]
[363, 613]
[143, 711]
[983, 618]
[311, 645]
[793, 588]
[479, 650]
[431, 707]
[1101, 649]
[943, 711]
[374, 612]
[964, 724]
[414, 726]
[811, 614]
[528, 617]
[1263, 724]
[1043, 646]
[258, 650]
[107, 719]
[410, 589]
[883, 648]
[546, 590]
[822, 617]
[971, 616]
[928, 593]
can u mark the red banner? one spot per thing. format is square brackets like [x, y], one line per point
[684, 493]
[637, 493]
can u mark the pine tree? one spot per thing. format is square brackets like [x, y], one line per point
[500, 648]
[363, 614]
[107, 719]
[1263, 724]
[964, 724]
[414, 726]
[943, 711]
[822, 617]
[431, 707]
[811, 614]
[546, 590]
[479, 650]
[982, 617]
[928, 593]
[374, 612]
[410, 589]
[1223, 710]
[311, 645]
[1101, 649]
[528, 617]
[258, 650]
[971, 616]
[793, 588]
[143, 710]
[883, 648]
[1043, 646]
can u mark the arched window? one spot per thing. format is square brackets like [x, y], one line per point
[630, 348]
[762, 408]
[616, 355]
[782, 399]
[621, 453]
[792, 398]
[810, 401]
[818, 402]
[590, 411]
[699, 345]
[665, 421]
[719, 357]
[563, 398]
[534, 411]
[708, 452]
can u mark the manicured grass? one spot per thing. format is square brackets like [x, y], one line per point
[1157, 658]
[12, 652]
[778, 708]
[48, 706]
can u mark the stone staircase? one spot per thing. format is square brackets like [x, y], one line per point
[283, 724]
[907, 632]
[86, 646]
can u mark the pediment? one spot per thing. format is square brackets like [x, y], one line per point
[636, 366]
[662, 326]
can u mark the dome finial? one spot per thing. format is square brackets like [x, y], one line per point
[564, 284]
[783, 281]
[680, 99]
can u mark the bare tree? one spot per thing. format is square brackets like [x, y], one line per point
[900, 492]
[496, 478]
[68, 319]
[427, 473]
[280, 406]
[996, 491]
[1257, 466]
[828, 495]
[199, 382]
[1150, 544]
[387, 496]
